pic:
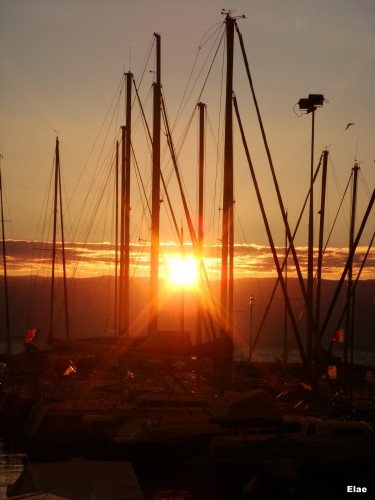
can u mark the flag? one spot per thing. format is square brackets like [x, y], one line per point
[339, 335]
[31, 335]
[71, 369]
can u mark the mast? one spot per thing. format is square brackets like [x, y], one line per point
[349, 343]
[7, 340]
[155, 216]
[226, 328]
[57, 197]
[320, 248]
[310, 247]
[56, 183]
[122, 233]
[285, 340]
[201, 107]
[116, 325]
[127, 203]
[67, 324]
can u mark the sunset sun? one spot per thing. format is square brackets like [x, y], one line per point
[183, 271]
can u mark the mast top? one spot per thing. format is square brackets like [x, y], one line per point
[228, 14]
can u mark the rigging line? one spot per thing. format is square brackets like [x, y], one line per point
[347, 266]
[181, 141]
[278, 193]
[210, 69]
[251, 265]
[182, 104]
[180, 108]
[117, 94]
[142, 112]
[192, 233]
[94, 176]
[338, 211]
[42, 221]
[161, 174]
[351, 293]
[286, 257]
[363, 180]
[219, 160]
[99, 183]
[166, 122]
[139, 179]
[270, 239]
[45, 205]
[203, 42]
[146, 60]
[89, 219]
[170, 213]
[91, 222]
[63, 258]
[105, 289]
[182, 193]
[339, 191]
[66, 211]
[216, 195]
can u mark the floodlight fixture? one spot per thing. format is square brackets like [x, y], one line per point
[311, 103]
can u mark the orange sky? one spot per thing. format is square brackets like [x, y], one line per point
[62, 66]
[34, 258]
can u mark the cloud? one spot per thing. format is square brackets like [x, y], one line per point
[97, 259]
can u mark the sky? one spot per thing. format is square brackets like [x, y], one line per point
[61, 63]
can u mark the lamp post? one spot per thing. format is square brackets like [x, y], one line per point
[309, 105]
[251, 300]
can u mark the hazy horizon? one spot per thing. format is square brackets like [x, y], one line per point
[97, 259]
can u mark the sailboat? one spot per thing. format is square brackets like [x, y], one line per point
[147, 371]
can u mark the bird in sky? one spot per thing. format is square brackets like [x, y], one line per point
[348, 125]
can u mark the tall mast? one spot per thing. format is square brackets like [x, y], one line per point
[127, 202]
[116, 324]
[310, 247]
[350, 312]
[56, 184]
[226, 329]
[201, 107]
[67, 324]
[7, 340]
[58, 199]
[285, 341]
[320, 248]
[122, 234]
[154, 260]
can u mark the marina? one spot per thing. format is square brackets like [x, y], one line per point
[179, 393]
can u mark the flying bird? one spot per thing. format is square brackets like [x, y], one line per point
[348, 125]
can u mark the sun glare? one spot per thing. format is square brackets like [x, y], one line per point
[183, 271]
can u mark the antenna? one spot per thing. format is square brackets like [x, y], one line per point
[228, 14]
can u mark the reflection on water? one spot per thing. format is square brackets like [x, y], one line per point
[11, 466]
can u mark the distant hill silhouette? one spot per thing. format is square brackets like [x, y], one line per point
[91, 309]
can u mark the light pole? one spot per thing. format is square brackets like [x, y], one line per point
[251, 300]
[309, 105]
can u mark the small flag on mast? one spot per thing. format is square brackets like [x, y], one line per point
[31, 335]
[339, 335]
[71, 369]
